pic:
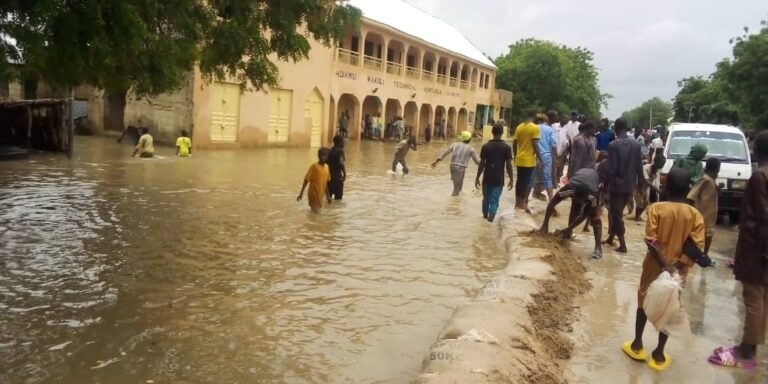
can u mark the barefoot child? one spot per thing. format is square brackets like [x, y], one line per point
[670, 224]
[184, 145]
[317, 177]
[704, 195]
[460, 155]
[401, 151]
[583, 189]
[145, 148]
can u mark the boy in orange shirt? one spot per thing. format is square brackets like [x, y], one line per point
[675, 236]
[317, 177]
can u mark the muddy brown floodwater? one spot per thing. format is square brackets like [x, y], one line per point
[203, 270]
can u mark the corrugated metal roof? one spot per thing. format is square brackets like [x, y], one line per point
[411, 20]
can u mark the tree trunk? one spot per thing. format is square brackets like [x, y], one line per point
[116, 101]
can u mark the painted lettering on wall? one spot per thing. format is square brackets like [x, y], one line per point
[434, 91]
[346, 75]
[453, 93]
[399, 84]
[375, 80]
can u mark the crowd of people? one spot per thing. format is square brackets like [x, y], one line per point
[594, 164]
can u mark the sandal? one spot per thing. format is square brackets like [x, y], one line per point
[660, 367]
[726, 357]
[640, 355]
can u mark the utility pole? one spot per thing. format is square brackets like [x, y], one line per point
[650, 119]
[690, 112]
[71, 131]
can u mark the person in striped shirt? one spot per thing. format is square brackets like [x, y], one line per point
[460, 152]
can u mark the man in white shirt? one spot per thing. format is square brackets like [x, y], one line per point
[561, 136]
[572, 128]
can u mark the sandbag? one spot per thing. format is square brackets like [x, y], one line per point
[663, 307]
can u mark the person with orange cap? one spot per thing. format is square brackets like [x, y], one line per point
[460, 152]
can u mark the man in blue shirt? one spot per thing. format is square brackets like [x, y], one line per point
[605, 136]
[542, 175]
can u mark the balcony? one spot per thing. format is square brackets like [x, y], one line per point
[412, 73]
[453, 82]
[347, 56]
[442, 79]
[464, 84]
[394, 68]
[373, 63]
[428, 76]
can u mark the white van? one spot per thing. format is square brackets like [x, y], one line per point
[724, 142]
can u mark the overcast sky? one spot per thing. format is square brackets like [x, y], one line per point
[642, 48]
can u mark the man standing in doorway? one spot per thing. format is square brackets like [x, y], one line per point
[526, 148]
[625, 162]
[495, 157]
[344, 124]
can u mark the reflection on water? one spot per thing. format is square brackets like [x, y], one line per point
[205, 269]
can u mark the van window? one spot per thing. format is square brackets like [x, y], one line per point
[729, 147]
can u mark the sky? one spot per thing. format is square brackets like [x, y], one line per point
[642, 48]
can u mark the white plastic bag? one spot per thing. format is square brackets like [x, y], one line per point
[663, 307]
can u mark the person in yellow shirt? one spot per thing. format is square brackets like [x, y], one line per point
[526, 148]
[145, 147]
[184, 145]
[317, 178]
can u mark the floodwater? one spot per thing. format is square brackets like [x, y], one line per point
[712, 299]
[206, 270]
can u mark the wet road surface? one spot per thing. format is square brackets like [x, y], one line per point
[203, 270]
[711, 297]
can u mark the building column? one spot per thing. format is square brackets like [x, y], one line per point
[361, 47]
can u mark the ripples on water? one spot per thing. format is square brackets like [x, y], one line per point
[207, 270]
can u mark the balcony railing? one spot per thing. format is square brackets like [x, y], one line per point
[442, 79]
[373, 63]
[412, 73]
[428, 76]
[464, 84]
[453, 82]
[394, 68]
[347, 56]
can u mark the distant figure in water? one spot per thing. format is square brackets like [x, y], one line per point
[401, 152]
[460, 154]
[583, 189]
[145, 147]
[338, 170]
[184, 145]
[317, 177]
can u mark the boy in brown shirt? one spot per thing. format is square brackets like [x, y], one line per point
[704, 195]
[670, 225]
[751, 265]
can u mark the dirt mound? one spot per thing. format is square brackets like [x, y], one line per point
[553, 310]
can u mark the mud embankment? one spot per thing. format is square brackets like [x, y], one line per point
[513, 331]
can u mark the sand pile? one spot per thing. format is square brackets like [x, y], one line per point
[513, 331]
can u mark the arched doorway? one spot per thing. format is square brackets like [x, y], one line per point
[451, 130]
[425, 117]
[371, 107]
[314, 106]
[350, 106]
[411, 117]
[391, 110]
[461, 124]
[473, 78]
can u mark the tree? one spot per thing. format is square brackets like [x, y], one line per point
[545, 75]
[705, 101]
[150, 46]
[641, 116]
[747, 74]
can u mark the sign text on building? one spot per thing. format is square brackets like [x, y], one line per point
[375, 80]
[399, 84]
[346, 75]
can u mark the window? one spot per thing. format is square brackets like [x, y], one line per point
[726, 146]
[355, 43]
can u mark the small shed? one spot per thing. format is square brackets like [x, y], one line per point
[34, 124]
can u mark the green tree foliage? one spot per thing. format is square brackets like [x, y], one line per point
[736, 93]
[641, 116]
[150, 46]
[545, 75]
